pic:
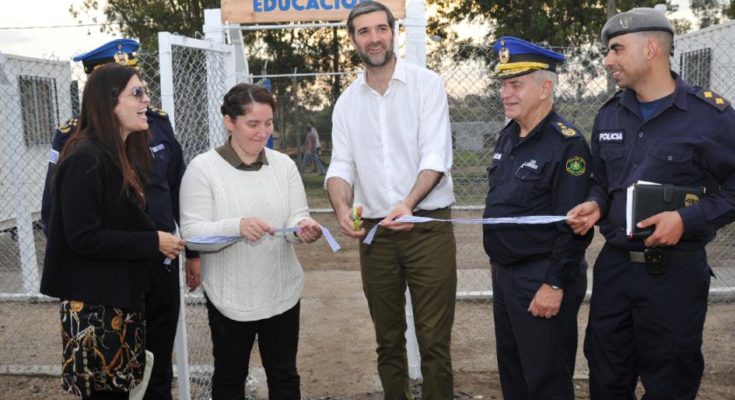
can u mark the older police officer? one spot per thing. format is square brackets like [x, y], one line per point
[650, 296]
[540, 167]
[162, 195]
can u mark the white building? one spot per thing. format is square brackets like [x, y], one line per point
[706, 58]
[35, 97]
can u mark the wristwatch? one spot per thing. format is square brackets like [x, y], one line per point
[555, 287]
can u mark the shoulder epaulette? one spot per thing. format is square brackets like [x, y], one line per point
[69, 126]
[157, 112]
[565, 129]
[713, 99]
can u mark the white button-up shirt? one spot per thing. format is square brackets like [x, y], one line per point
[380, 143]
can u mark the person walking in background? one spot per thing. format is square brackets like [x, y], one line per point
[649, 301]
[100, 240]
[392, 145]
[311, 151]
[539, 167]
[162, 194]
[252, 288]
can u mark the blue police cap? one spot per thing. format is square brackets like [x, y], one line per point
[119, 51]
[518, 57]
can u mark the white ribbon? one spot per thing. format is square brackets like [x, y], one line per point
[525, 220]
[227, 240]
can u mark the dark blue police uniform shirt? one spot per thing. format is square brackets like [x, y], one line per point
[689, 140]
[545, 173]
[162, 192]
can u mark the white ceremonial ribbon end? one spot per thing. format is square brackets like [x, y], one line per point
[330, 239]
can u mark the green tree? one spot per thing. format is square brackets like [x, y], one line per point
[729, 10]
[569, 26]
[562, 23]
[143, 19]
[709, 12]
[272, 51]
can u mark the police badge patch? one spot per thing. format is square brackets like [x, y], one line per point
[576, 166]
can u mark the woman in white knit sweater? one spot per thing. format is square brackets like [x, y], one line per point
[253, 288]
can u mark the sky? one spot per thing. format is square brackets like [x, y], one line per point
[60, 43]
[64, 43]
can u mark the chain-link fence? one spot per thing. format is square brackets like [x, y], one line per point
[38, 95]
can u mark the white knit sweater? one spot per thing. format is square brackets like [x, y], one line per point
[247, 281]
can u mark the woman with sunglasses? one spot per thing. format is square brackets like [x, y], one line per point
[253, 288]
[100, 240]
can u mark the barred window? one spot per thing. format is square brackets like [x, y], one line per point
[696, 67]
[39, 107]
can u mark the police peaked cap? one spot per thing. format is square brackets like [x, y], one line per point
[518, 57]
[641, 19]
[120, 51]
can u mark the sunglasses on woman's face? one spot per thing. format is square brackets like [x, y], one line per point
[139, 92]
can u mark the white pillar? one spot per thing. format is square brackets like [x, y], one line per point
[224, 33]
[165, 65]
[213, 25]
[181, 341]
[415, 23]
[166, 68]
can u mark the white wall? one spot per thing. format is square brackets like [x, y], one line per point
[22, 167]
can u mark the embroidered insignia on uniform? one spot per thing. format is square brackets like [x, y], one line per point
[68, 125]
[157, 110]
[690, 199]
[565, 130]
[120, 56]
[625, 21]
[576, 166]
[713, 99]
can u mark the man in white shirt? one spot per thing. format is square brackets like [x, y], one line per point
[392, 151]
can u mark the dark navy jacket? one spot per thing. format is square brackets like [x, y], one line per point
[545, 173]
[689, 141]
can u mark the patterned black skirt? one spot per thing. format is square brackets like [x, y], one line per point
[103, 348]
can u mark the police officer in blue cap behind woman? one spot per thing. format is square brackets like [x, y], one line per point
[162, 199]
[540, 167]
[650, 296]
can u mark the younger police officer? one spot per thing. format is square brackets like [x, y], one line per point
[162, 197]
[540, 167]
[650, 297]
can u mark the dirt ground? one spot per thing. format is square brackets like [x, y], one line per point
[337, 357]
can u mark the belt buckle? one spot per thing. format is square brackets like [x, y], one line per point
[654, 261]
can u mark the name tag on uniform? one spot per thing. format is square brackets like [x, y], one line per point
[497, 156]
[530, 164]
[156, 149]
[610, 137]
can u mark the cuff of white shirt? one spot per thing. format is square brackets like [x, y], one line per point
[337, 170]
[434, 162]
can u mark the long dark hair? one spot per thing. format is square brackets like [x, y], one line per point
[99, 124]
